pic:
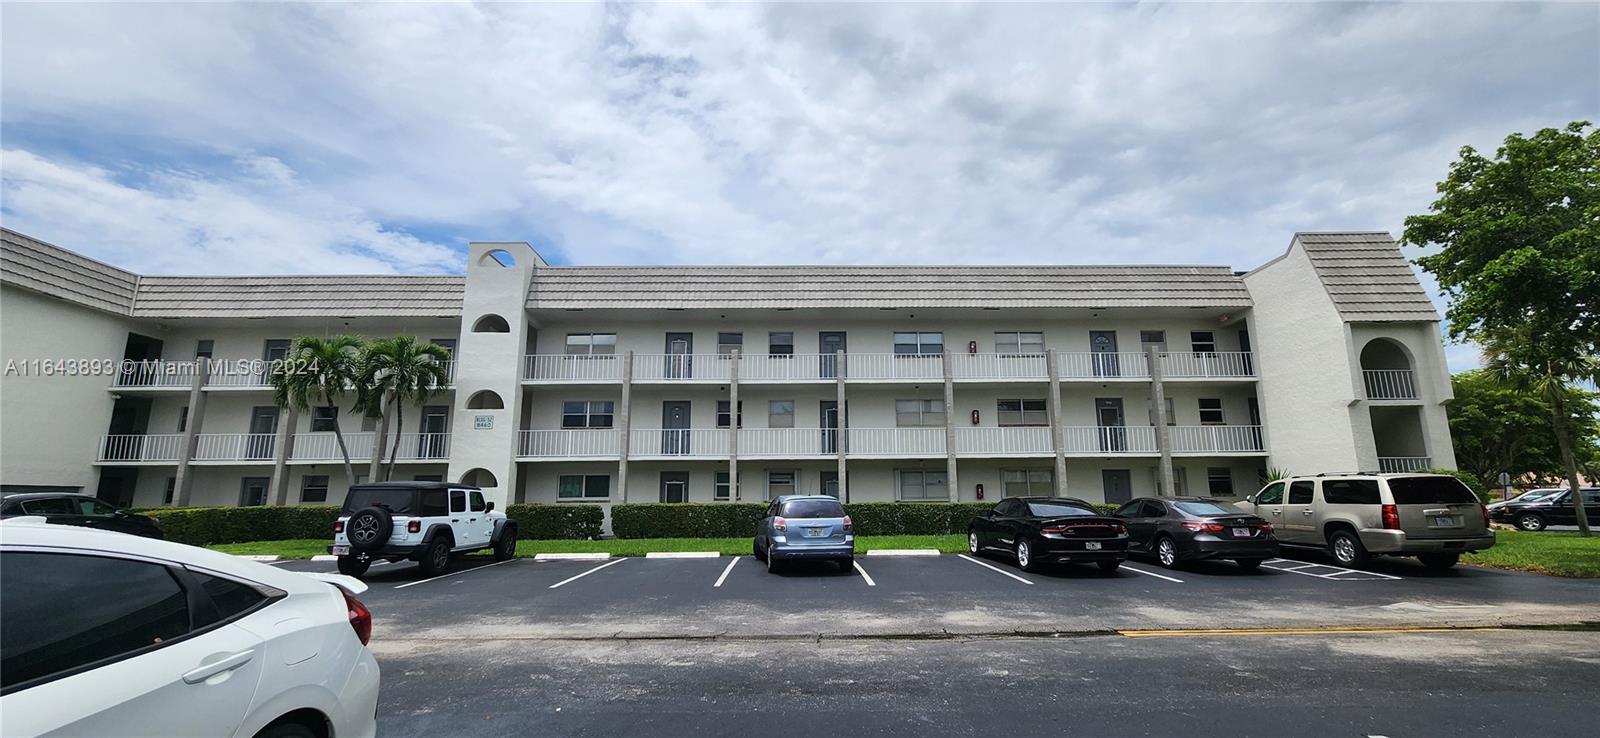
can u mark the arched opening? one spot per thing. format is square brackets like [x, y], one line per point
[497, 257]
[1386, 371]
[480, 478]
[485, 400]
[1397, 434]
[491, 323]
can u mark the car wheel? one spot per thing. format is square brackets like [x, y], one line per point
[1530, 522]
[1248, 564]
[436, 560]
[287, 730]
[1109, 566]
[1439, 561]
[847, 564]
[351, 566]
[1025, 559]
[1346, 548]
[755, 550]
[507, 548]
[1166, 552]
[772, 561]
[972, 542]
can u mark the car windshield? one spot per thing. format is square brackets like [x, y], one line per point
[396, 501]
[812, 509]
[1208, 508]
[1058, 510]
[1430, 491]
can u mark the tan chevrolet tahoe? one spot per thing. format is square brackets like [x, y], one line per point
[1354, 517]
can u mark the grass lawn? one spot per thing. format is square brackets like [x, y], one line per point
[1546, 552]
[305, 548]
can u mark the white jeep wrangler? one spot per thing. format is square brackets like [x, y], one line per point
[426, 522]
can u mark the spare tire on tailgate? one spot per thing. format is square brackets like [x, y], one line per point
[369, 528]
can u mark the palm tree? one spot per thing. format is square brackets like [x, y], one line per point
[395, 371]
[1521, 363]
[319, 371]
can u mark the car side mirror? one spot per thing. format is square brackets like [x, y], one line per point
[488, 507]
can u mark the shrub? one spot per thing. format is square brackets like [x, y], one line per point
[205, 526]
[551, 522]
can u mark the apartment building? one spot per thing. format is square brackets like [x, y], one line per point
[705, 384]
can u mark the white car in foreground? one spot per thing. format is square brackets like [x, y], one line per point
[106, 634]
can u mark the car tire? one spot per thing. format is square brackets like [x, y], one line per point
[1109, 566]
[1439, 561]
[1166, 551]
[755, 550]
[1248, 564]
[972, 542]
[1532, 522]
[772, 562]
[436, 559]
[369, 528]
[1025, 559]
[506, 549]
[847, 564]
[1346, 549]
[351, 566]
[289, 729]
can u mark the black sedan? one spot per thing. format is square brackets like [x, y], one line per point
[1179, 529]
[1049, 530]
[1555, 508]
[71, 509]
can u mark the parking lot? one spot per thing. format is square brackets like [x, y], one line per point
[735, 597]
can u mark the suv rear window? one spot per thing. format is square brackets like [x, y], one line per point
[1430, 491]
[1350, 492]
[396, 501]
[812, 509]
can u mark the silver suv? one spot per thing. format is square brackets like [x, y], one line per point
[1433, 517]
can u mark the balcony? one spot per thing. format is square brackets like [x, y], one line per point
[226, 374]
[674, 443]
[895, 443]
[140, 448]
[569, 444]
[255, 448]
[1090, 440]
[1216, 439]
[1208, 365]
[323, 448]
[1403, 464]
[1389, 384]
[155, 375]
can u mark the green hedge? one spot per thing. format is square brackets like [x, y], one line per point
[727, 520]
[206, 526]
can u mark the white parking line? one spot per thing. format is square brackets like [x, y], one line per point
[682, 555]
[451, 574]
[601, 556]
[864, 575]
[587, 573]
[725, 571]
[994, 568]
[1152, 574]
[903, 552]
[1335, 576]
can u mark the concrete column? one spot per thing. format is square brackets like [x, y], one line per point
[624, 426]
[733, 428]
[1052, 365]
[279, 488]
[844, 433]
[950, 427]
[1158, 401]
[184, 486]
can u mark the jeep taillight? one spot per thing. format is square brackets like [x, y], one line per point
[414, 526]
[338, 526]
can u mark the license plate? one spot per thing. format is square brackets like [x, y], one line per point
[815, 532]
[340, 550]
[1444, 522]
[1091, 546]
[1241, 532]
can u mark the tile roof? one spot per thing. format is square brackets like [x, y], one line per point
[886, 286]
[55, 271]
[1367, 277]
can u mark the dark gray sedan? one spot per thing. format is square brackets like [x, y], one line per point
[1178, 529]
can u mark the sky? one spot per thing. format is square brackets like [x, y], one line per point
[272, 138]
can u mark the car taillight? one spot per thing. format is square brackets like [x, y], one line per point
[780, 524]
[338, 526]
[1053, 529]
[414, 526]
[1391, 517]
[848, 528]
[1204, 527]
[1485, 510]
[360, 617]
[1119, 528]
[1265, 527]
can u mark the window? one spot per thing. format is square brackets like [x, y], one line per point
[324, 419]
[1128, 509]
[728, 343]
[1153, 509]
[781, 483]
[95, 508]
[1172, 415]
[724, 490]
[253, 491]
[1219, 481]
[1202, 342]
[811, 509]
[1180, 480]
[458, 501]
[780, 344]
[584, 486]
[1027, 482]
[919, 344]
[587, 413]
[1350, 492]
[1272, 495]
[314, 488]
[370, 418]
[780, 414]
[491, 324]
[722, 413]
[434, 504]
[427, 477]
[1434, 491]
[202, 348]
[1018, 343]
[1021, 412]
[1209, 508]
[183, 418]
[65, 612]
[448, 344]
[919, 413]
[924, 485]
[591, 344]
[1300, 493]
[231, 598]
[1158, 339]
[49, 506]
[475, 501]
[170, 491]
[275, 349]
[1210, 411]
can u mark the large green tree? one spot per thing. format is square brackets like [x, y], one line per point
[1498, 428]
[1518, 238]
[395, 372]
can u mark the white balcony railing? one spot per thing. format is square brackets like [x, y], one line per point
[682, 367]
[895, 442]
[788, 368]
[1019, 441]
[251, 447]
[140, 448]
[1188, 439]
[1403, 464]
[322, 446]
[1207, 364]
[881, 367]
[565, 368]
[1108, 440]
[999, 366]
[155, 374]
[1389, 384]
[1102, 365]
[673, 442]
[586, 443]
[785, 443]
